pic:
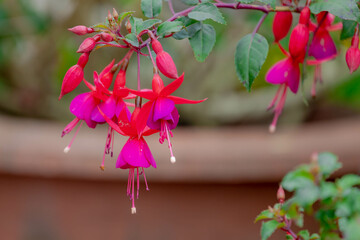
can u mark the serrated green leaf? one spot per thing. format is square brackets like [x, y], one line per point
[348, 181]
[272, 3]
[250, 55]
[266, 214]
[100, 25]
[136, 24]
[206, 11]
[298, 178]
[132, 39]
[327, 190]
[151, 8]
[328, 163]
[188, 32]
[344, 9]
[169, 27]
[123, 15]
[147, 24]
[304, 234]
[269, 227]
[348, 29]
[203, 42]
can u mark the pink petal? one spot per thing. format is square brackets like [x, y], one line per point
[135, 153]
[322, 46]
[82, 107]
[162, 108]
[179, 100]
[170, 88]
[107, 107]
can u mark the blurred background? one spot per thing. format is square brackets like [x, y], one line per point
[228, 165]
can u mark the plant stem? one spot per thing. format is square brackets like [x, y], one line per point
[171, 7]
[138, 72]
[262, 19]
[152, 59]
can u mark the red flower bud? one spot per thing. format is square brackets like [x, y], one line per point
[83, 60]
[355, 41]
[298, 42]
[156, 45]
[106, 37]
[157, 84]
[107, 74]
[305, 16]
[81, 30]
[280, 194]
[281, 25]
[353, 58]
[88, 44]
[120, 79]
[166, 65]
[72, 79]
[128, 26]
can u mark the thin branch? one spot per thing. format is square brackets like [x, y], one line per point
[261, 21]
[171, 7]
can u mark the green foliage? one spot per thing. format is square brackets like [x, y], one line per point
[132, 39]
[203, 41]
[348, 29]
[250, 55]
[272, 3]
[344, 9]
[151, 8]
[169, 27]
[337, 203]
[207, 11]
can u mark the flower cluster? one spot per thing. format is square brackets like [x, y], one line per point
[103, 105]
[321, 48]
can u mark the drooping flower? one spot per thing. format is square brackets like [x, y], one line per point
[136, 154]
[353, 53]
[160, 111]
[285, 73]
[300, 36]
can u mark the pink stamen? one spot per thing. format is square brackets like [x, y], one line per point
[146, 184]
[67, 148]
[278, 109]
[138, 183]
[271, 105]
[129, 184]
[165, 133]
[133, 208]
[112, 145]
[70, 127]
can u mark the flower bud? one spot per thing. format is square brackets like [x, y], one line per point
[81, 30]
[298, 42]
[107, 74]
[115, 14]
[280, 194]
[72, 79]
[83, 60]
[156, 45]
[355, 41]
[166, 65]
[353, 58]
[106, 37]
[281, 25]
[305, 16]
[128, 26]
[87, 45]
[120, 79]
[157, 83]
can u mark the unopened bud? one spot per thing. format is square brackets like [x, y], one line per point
[156, 45]
[166, 65]
[157, 83]
[109, 17]
[81, 30]
[298, 42]
[106, 37]
[72, 79]
[115, 14]
[84, 58]
[128, 26]
[305, 16]
[353, 58]
[87, 45]
[281, 25]
[280, 194]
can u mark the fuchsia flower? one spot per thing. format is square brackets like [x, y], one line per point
[160, 111]
[81, 30]
[136, 153]
[322, 47]
[281, 25]
[353, 53]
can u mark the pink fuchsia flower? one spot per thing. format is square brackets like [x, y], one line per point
[136, 154]
[74, 75]
[285, 73]
[160, 111]
[353, 53]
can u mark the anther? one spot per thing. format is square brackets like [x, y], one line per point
[173, 160]
[133, 210]
[67, 149]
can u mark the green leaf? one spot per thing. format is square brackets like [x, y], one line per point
[348, 181]
[348, 29]
[314, 236]
[344, 9]
[188, 32]
[266, 214]
[123, 15]
[352, 229]
[203, 42]
[207, 11]
[328, 163]
[190, 2]
[136, 24]
[132, 39]
[328, 190]
[307, 195]
[269, 227]
[151, 8]
[272, 3]
[147, 24]
[296, 179]
[169, 27]
[304, 234]
[250, 55]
